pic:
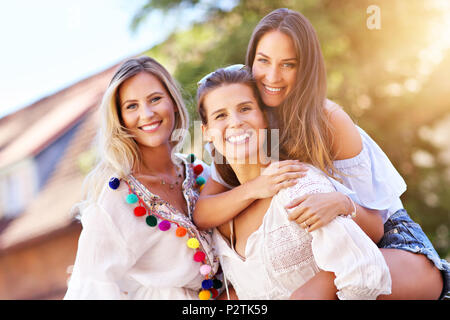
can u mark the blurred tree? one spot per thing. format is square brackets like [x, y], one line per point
[393, 81]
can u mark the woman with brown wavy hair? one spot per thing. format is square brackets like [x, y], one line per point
[285, 57]
[262, 253]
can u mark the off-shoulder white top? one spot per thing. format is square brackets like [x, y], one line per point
[280, 256]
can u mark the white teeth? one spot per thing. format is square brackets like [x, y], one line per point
[150, 127]
[273, 89]
[237, 139]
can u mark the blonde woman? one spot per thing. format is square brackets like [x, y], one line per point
[138, 240]
[263, 254]
[286, 61]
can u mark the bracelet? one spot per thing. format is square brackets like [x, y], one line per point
[353, 213]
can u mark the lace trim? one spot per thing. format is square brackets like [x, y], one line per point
[310, 185]
[358, 293]
[289, 248]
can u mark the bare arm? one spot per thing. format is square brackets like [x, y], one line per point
[370, 222]
[317, 210]
[217, 204]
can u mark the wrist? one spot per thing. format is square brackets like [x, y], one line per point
[347, 206]
[248, 191]
[351, 211]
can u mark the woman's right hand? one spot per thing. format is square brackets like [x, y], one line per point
[278, 175]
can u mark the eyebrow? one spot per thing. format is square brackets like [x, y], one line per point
[148, 96]
[265, 56]
[238, 105]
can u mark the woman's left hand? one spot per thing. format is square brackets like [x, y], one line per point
[313, 211]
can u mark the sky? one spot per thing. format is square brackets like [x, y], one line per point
[48, 45]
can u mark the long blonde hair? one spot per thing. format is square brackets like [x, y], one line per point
[305, 132]
[118, 152]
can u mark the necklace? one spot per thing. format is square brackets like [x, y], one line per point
[177, 179]
[163, 182]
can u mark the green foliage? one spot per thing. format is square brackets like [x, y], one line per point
[166, 6]
[393, 81]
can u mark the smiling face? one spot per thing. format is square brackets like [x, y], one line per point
[275, 67]
[147, 109]
[235, 122]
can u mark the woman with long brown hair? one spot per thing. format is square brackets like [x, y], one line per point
[285, 57]
[262, 253]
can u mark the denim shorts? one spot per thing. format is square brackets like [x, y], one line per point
[401, 232]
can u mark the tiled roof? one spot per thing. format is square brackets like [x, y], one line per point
[31, 129]
[36, 127]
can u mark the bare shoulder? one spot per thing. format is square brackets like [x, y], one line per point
[347, 142]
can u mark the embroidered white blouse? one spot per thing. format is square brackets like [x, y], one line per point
[121, 257]
[280, 256]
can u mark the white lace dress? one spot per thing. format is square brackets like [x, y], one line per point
[280, 256]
